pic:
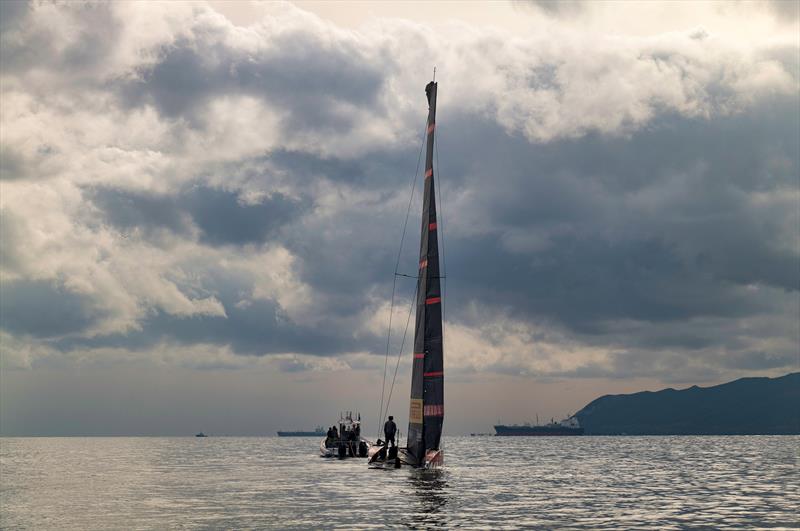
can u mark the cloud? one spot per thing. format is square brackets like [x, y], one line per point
[43, 310]
[555, 7]
[220, 217]
[613, 205]
[784, 10]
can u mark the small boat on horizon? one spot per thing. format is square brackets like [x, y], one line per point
[201, 434]
[318, 432]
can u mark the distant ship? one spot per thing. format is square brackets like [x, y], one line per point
[319, 432]
[568, 426]
[201, 434]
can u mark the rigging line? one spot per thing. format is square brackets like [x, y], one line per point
[386, 357]
[396, 267]
[402, 344]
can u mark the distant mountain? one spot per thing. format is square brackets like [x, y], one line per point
[748, 406]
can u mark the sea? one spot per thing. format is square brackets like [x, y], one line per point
[729, 482]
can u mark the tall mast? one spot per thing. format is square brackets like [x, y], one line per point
[426, 413]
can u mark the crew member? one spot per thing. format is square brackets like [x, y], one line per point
[389, 429]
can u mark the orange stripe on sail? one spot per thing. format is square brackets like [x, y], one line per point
[432, 226]
[428, 172]
[433, 300]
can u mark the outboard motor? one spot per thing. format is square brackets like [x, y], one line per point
[342, 450]
[392, 453]
[362, 449]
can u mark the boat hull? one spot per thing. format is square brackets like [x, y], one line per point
[378, 458]
[433, 459]
[360, 449]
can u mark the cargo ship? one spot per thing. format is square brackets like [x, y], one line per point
[319, 432]
[568, 426]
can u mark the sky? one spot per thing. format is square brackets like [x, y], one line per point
[201, 205]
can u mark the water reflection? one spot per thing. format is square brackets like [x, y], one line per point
[429, 489]
[257, 483]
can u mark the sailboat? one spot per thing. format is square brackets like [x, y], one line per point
[426, 406]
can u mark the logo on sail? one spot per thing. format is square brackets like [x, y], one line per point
[415, 412]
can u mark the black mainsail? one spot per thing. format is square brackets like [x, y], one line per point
[426, 413]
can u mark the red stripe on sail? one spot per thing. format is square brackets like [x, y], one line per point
[428, 172]
[433, 300]
[431, 128]
[419, 355]
[434, 373]
[423, 264]
[432, 226]
[433, 410]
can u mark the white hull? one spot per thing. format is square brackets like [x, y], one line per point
[333, 451]
[325, 451]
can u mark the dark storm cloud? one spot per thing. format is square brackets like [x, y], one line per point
[222, 217]
[43, 309]
[678, 366]
[584, 282]
[249, 327]
[689, 253]
[668, 209]
[759, 360]
[660, 229]
[127, 210]
[299, 74]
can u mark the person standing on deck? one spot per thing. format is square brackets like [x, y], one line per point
[389, 429]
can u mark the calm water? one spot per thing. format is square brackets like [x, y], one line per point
[569, 482]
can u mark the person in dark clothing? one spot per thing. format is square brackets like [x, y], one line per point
[389, 429]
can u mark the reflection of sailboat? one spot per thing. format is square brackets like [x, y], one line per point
[429, 486]
[430, 495]
[426, 411]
